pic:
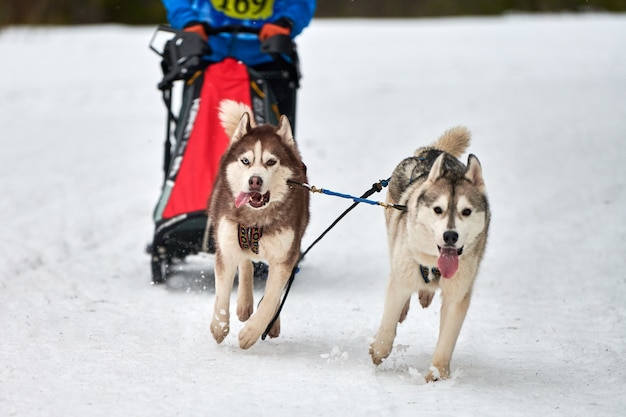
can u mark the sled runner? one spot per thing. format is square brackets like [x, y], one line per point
[195, 139]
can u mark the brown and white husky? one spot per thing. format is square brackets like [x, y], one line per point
[437, 243]
[255, 215]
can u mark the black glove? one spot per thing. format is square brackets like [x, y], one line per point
[182, 56]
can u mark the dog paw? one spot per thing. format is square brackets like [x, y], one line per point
[244, 312]
[219, 329]
[379, 351]
[248, 336]
[436, 373]
[275, 330]
[425, 297]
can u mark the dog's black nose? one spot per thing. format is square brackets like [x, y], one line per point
[450, 237]
[255, 183]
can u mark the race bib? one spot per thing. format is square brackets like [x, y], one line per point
[245, 9]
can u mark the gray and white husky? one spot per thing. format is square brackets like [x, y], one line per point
[437, 242]
[255, 215]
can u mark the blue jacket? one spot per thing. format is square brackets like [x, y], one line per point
[249, 13]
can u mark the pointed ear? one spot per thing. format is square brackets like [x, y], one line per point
[474, 172]
[242, 128]
[437, 170]
[284, 131]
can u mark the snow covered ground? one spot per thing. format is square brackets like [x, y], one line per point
[83, 332]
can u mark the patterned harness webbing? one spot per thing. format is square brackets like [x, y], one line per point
[249, 237]
[425, 272]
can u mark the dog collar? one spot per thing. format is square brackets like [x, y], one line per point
[249, 237]
[425, 271]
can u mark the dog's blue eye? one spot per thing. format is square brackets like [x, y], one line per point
[245, 161]
[270, 162]
[438, 210]
[466, 212]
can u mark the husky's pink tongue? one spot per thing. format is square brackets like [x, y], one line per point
[242, 199]
[448, 262]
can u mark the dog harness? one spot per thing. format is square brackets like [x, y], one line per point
[249, 237]
[426, 272]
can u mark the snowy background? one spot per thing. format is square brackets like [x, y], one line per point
[83, 332]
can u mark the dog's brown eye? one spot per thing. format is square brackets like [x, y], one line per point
[466, 212]
[270, 162]
[438, 210]
[245, 161]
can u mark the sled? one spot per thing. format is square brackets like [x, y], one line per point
[195, 139]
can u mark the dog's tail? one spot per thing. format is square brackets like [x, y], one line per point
[230, 115]
[454, 141]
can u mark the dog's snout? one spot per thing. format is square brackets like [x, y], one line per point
[255, 182]
[450, 237]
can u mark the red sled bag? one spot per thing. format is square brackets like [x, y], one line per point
[202, 139]
[194, 147]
